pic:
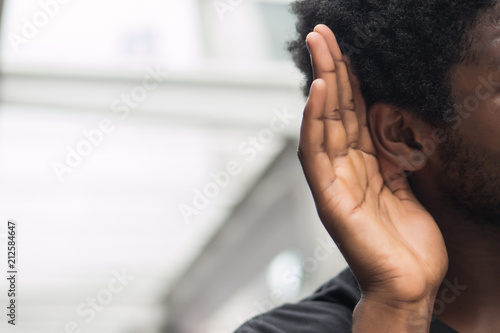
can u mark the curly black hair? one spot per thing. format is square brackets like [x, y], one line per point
[402, 50]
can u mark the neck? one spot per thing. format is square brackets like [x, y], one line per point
[469, 297]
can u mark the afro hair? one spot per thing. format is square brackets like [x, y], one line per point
[401, 50]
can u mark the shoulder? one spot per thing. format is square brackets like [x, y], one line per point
[328, 309]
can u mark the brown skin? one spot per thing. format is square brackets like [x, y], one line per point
[472, 241]
[402, 242]
[390, 241]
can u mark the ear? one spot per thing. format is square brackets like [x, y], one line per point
[399, 138]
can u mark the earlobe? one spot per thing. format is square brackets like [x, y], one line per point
[397, 135]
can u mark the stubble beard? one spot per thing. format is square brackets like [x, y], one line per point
[471, 181]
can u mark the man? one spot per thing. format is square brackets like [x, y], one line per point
[400, 144]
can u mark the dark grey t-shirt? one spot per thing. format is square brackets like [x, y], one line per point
[329, 309]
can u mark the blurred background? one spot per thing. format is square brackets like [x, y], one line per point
[148, 155]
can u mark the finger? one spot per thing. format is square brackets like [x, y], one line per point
[347, 107]
[322, 61]
[330, 40]
[312, 128]
[346, 102]
[313, 157]
[365, 140]
[324, 68]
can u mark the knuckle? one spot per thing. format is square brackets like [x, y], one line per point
[333, 116]
[349, 106]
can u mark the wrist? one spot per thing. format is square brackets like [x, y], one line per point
[374, 316]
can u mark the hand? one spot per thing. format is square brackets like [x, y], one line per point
[392, 244]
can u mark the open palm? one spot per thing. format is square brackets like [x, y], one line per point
[390, 241]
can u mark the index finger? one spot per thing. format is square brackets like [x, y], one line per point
[325, 69]
[346, 102]
[351, 95]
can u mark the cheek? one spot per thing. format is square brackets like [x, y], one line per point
[482, 126]
[493, 108]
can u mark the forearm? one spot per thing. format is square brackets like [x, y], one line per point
[376, 317]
